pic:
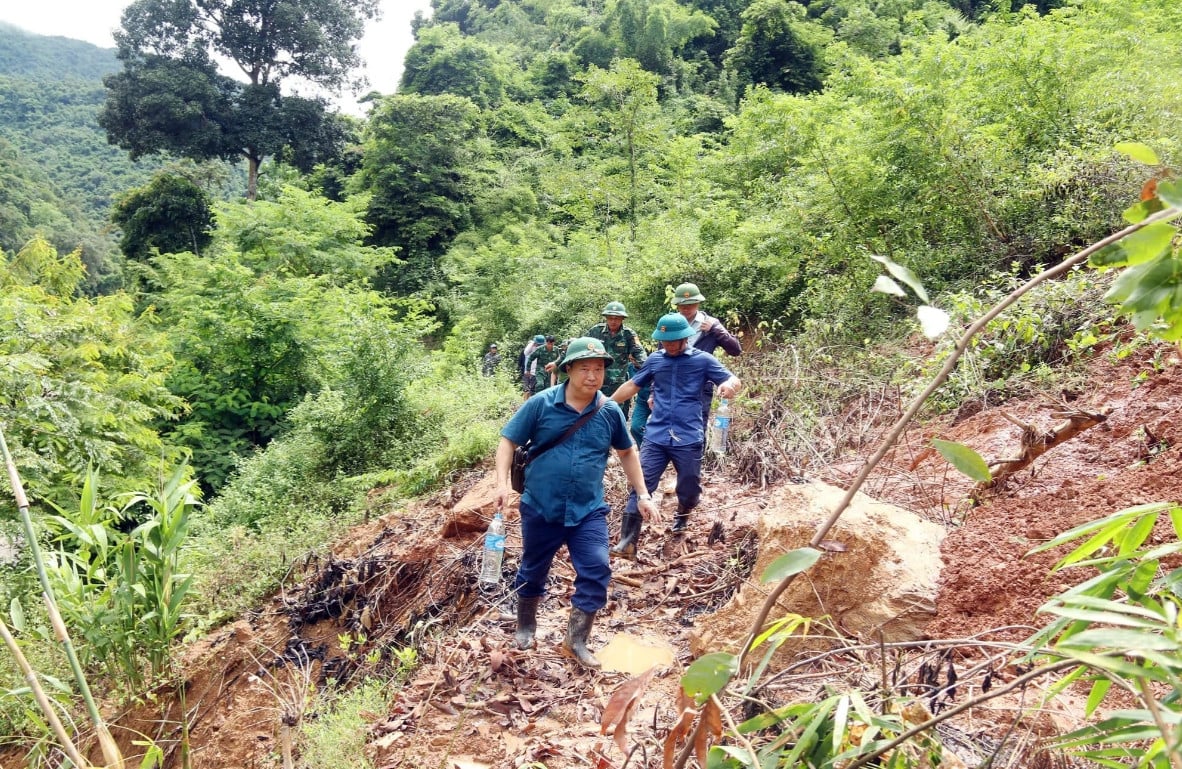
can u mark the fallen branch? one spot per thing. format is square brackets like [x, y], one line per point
[1035, 444]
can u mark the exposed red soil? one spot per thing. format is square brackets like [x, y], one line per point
[407, 579]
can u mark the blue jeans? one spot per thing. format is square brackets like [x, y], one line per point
[587, 544]
[687, 461]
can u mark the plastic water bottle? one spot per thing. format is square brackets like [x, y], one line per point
[494, 550]
[720, 428]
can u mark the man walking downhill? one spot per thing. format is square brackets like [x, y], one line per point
[676, 429]
[490, 361]
[708, 334]
[539, 362]
[563, 499]
[527, 376]
[622, 344]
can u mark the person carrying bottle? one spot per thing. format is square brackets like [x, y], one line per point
[676, 429]
[622, 344]
[563, 501]
[708, 333]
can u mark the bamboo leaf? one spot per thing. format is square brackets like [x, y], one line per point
[884, 285]
[901, 273]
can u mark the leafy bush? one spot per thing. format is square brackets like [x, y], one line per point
[335, 738]
[1060, 322]
[123, 593]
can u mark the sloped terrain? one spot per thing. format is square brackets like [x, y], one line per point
[408, 579]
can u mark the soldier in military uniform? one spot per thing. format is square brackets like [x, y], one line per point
[544, 356]
[622, 344]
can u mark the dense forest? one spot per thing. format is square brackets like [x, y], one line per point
[242, 298]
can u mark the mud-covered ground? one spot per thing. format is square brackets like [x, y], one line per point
[407, 579]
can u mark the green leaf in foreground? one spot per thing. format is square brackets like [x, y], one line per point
[901, 273]
[964, 459]
[1140, 247]
[708, 674]
[1170, 192]
[790, 563]
[1142, 153]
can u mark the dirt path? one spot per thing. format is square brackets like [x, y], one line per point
[408, 579]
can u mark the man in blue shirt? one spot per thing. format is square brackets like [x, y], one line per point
[676, 430]
[563, 498]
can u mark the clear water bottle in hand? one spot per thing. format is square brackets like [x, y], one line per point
[494, 550]
[720, 427]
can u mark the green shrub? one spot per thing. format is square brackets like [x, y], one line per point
[336, 733]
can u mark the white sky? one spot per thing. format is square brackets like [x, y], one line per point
[383, 47]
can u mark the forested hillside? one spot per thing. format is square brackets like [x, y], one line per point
[61, 174]
[251, 377]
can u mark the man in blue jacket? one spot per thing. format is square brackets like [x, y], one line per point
[677, 429]
[563, 498]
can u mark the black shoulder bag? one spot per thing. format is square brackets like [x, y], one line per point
[523, 455]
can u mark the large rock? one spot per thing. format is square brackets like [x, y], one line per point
[880, 572]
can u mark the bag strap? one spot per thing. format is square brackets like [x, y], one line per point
[535, 453]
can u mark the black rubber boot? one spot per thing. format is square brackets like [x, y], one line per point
[629, 537]
[680, 520]
[576, 638]
[527, 621]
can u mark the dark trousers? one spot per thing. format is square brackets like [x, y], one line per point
[587, 544]
[687, 461]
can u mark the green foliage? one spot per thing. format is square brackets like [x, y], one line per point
[458, 423]
[337, 733]
[82, 382]
[779, 48]
[122, 594]
[170, 215]
[444, 62]
[1149, 289]
[1059, 323]
[1121, 625]
[269, 316]
[421, 182]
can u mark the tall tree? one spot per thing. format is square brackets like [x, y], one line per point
[170, 215]
[422, 165]
[780, 47]
[171, 97]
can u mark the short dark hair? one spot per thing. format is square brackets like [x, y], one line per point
[549, 337]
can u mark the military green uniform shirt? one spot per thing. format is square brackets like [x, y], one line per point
[543, 357]
[622, 346]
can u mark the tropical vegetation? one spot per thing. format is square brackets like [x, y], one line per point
[280, 355]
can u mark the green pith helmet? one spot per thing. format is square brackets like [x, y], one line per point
[687, 293]
[539, 339]
[672, 327]
[584, 347]
[615, 308]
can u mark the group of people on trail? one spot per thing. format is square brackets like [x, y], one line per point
[586, 417]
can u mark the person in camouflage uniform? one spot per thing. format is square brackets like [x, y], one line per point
[543, 356]
[622, 344]
[490, 361]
